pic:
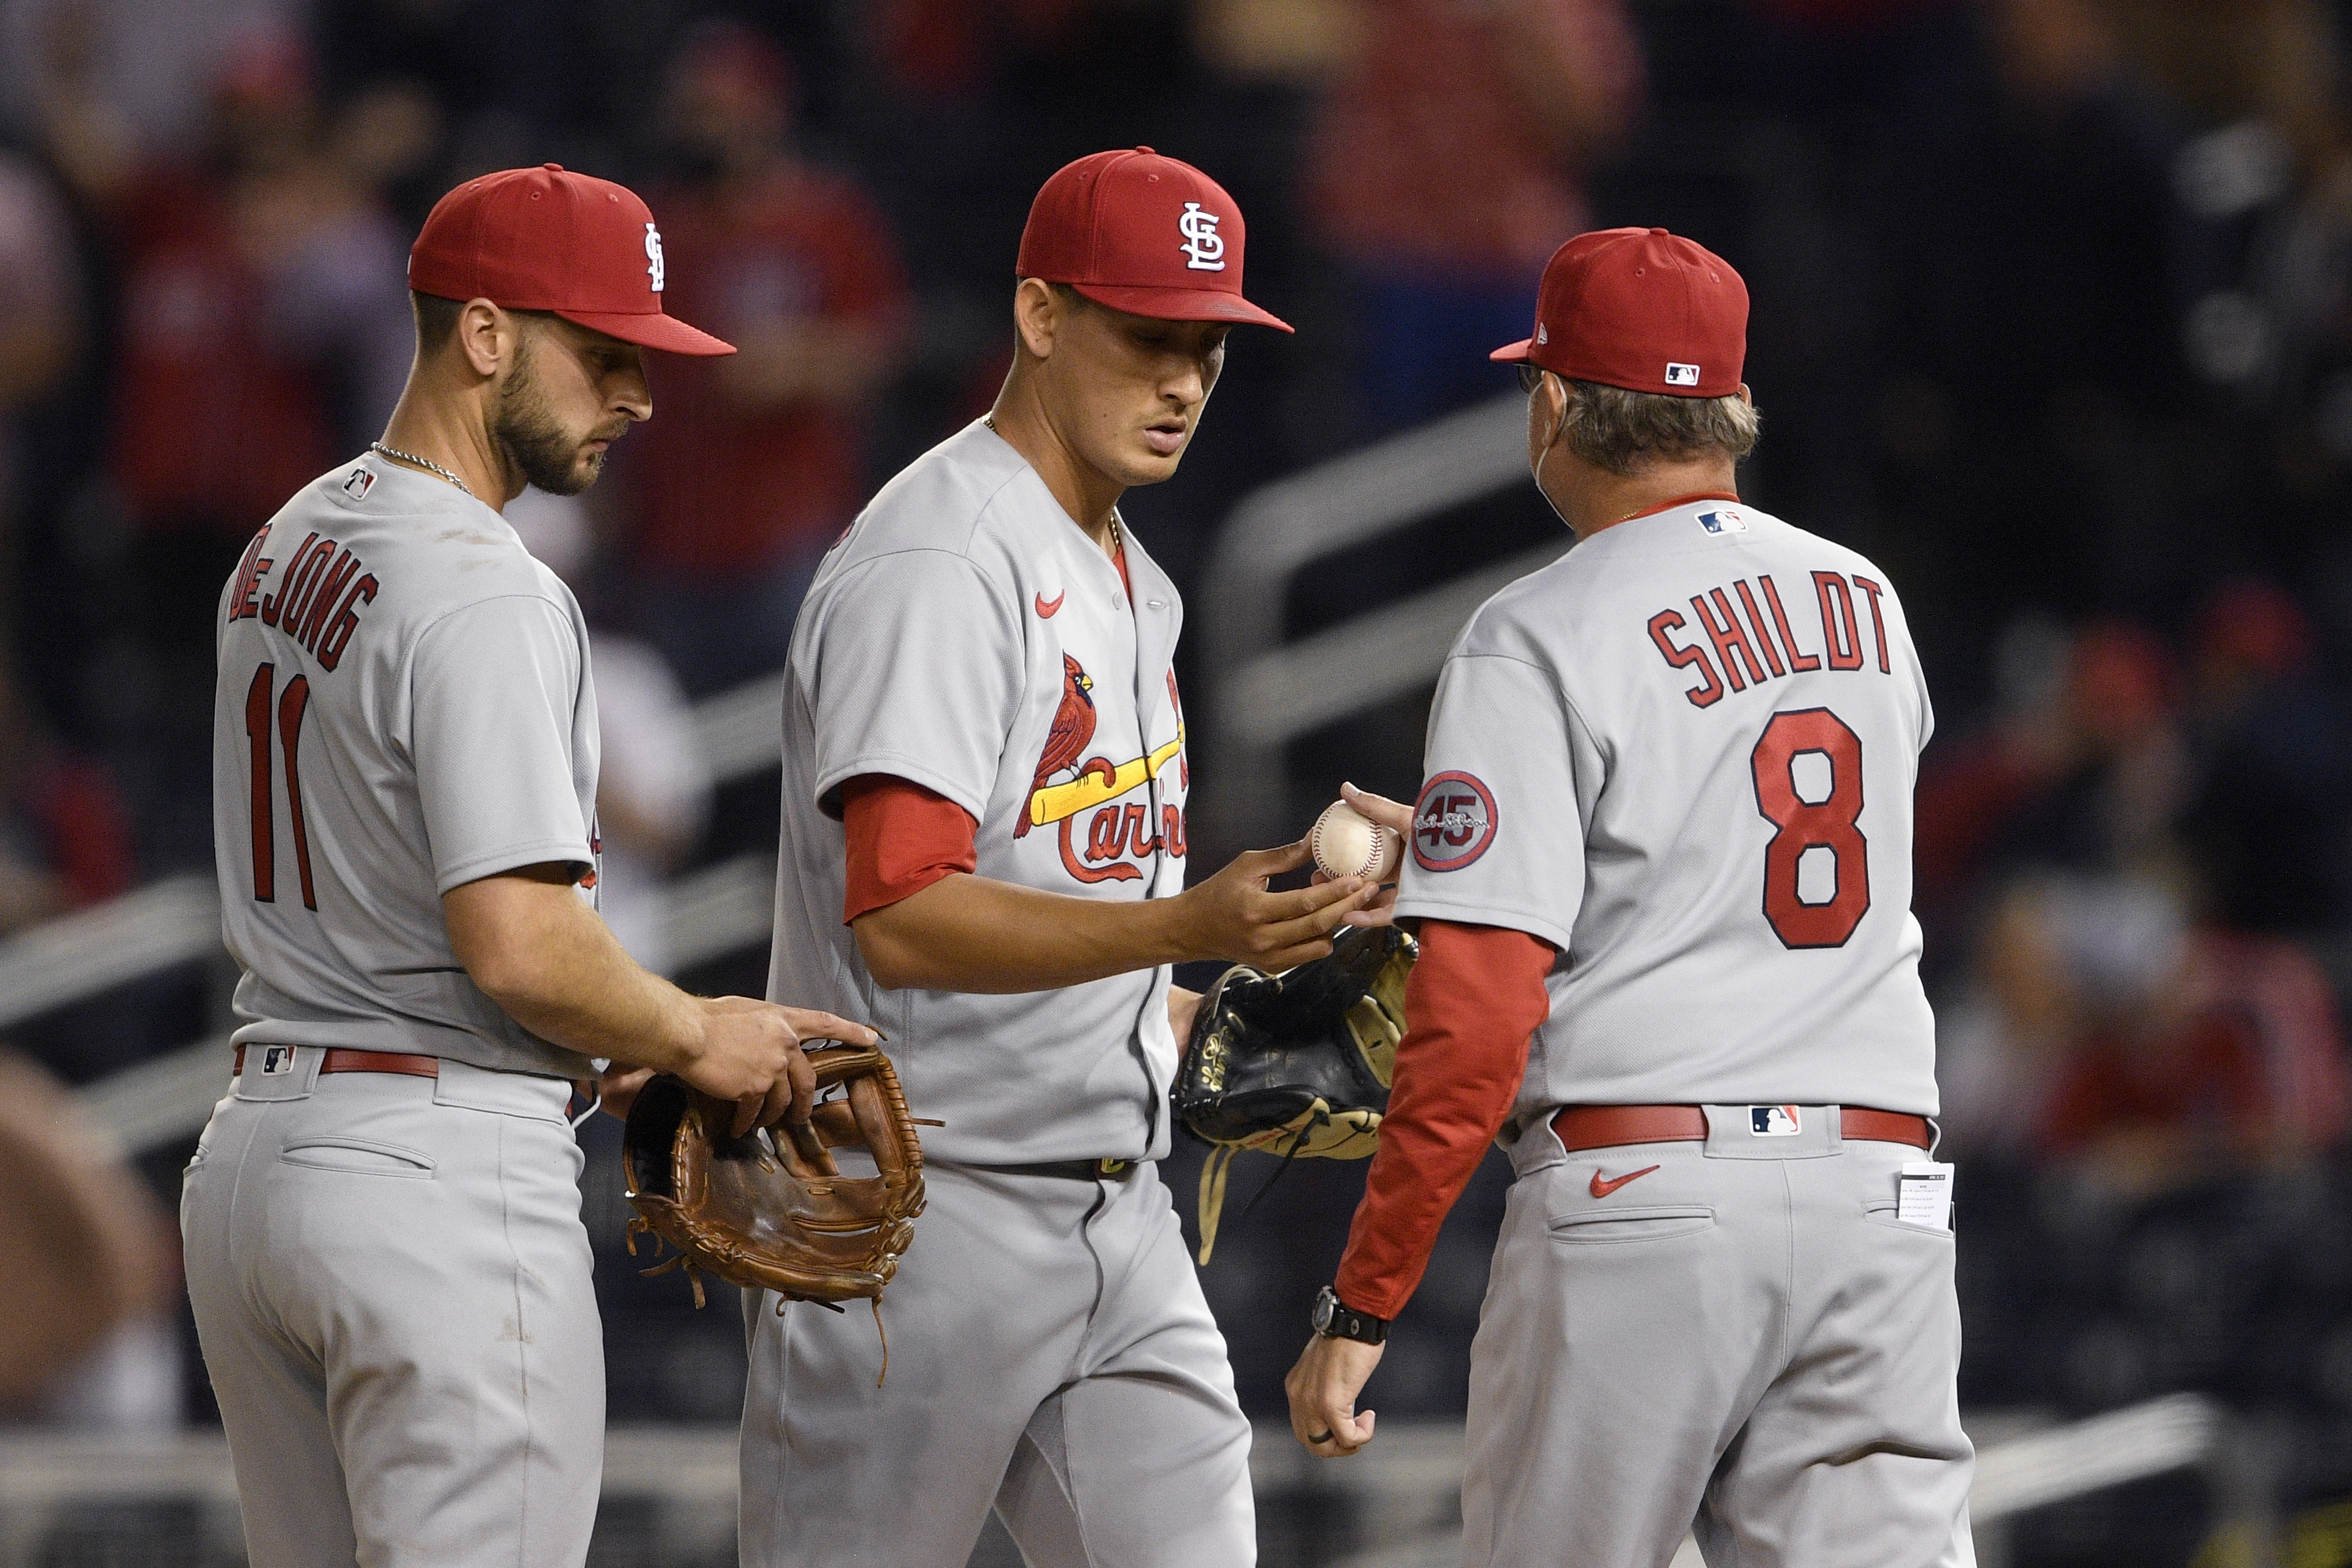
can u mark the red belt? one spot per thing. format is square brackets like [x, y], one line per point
[1607, 1126]
[338, 1059]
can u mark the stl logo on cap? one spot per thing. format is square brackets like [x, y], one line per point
[1203, 247]
[1100, 225]
[549, 239]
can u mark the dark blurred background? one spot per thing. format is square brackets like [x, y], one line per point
[2052, 318]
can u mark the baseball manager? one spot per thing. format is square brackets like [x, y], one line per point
[1662, 863]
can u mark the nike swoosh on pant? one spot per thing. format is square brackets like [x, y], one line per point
[1601, 1189]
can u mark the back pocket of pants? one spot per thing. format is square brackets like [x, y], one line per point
[357, 1156]
[1660, 1222]
[1883, 1211]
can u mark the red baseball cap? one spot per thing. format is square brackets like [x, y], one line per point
[548, 239]
[1143, 233]
[1640, 309]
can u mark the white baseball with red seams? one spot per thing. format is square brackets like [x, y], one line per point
[1346, 843]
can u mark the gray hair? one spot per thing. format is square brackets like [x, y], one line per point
[1620, 431]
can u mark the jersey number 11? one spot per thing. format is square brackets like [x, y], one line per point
[1827, 824]
[290, 709]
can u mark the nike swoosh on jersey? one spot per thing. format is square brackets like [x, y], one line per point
[1047, 609]
[1601, 1189]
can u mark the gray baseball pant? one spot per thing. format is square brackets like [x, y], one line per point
[392, 1289]
[1743, 1342]
[1050, 1355]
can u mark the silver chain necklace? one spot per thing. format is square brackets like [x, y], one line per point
[1118, 544]
[425, 463]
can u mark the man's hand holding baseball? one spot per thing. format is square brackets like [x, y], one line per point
[1234, 916]
[1323, 1385]
[1397, 817]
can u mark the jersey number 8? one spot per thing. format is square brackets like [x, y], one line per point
[290, 709]
[1824, 824]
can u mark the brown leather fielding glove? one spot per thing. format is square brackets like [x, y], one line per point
[771, 1211]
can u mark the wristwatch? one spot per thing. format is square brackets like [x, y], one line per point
[1335, 1320]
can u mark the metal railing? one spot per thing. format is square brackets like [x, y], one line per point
[711, 912]
[64, 961]
[176, 921]
[1263, 692]
[1401, 1493]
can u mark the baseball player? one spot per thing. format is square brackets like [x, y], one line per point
[984, 854]
[385, 1252]
[1662, 864]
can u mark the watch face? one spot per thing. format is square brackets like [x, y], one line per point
[1324, 1305]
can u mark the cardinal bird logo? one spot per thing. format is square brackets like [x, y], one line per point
[1073, 731]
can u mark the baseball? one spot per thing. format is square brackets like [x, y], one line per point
[1347, 844]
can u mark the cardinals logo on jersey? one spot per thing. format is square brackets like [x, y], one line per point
[1115, 831]
[1072, 733]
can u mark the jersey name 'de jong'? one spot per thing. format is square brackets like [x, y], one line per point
[1684, 755]
[403, 704]
[966, 636]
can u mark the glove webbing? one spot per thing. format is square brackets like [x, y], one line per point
[1220, 1163]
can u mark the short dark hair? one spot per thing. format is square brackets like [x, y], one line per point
[436, 320]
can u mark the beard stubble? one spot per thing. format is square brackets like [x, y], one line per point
[527, 430]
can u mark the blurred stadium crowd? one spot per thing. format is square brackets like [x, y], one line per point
[2053, 318]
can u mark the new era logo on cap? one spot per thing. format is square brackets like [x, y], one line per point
[1682, 374]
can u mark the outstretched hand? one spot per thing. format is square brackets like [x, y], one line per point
[1232, 916]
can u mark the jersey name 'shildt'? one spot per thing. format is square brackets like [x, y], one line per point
[1734, 908]
[387, 648]
[967, 637]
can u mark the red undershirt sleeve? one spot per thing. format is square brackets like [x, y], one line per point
[1476, 998]
[901, 838]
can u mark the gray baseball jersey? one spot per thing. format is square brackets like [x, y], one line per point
[1683, 754]
[967, 637]
[389, 1275]
[404, 705]
[1052, 1355]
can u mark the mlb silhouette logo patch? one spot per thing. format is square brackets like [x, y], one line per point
[1682, 374]
[1773, 1121]
[361, 481]
[276, 1060]
[1723, 522]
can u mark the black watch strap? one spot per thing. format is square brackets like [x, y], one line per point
[1337, 1320]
